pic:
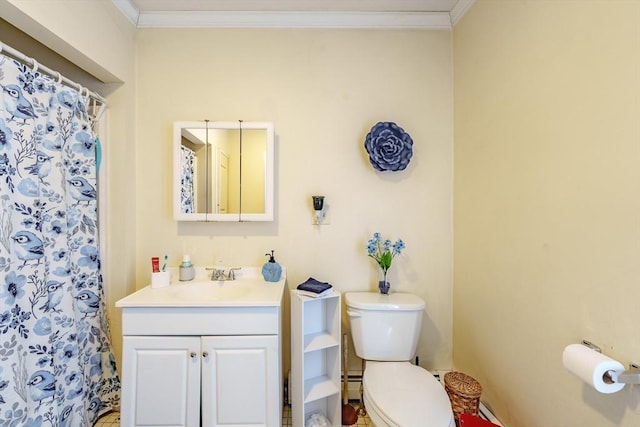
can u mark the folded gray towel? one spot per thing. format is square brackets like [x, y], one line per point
[313, 285]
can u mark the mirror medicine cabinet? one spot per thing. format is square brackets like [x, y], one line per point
[223, 171]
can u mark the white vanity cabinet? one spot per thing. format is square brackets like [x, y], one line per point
[226, 380]
[161, 381]
[195, 357]
[241, 381]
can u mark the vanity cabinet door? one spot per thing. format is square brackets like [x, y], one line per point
[240, 381]
[161, 381]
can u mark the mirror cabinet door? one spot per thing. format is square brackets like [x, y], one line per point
[223, 171]
[253, 172]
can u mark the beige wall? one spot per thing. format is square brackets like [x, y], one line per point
[324, 90]
[547, 206]
[546, 183]
[93, 34]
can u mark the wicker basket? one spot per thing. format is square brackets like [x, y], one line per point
[464, 393]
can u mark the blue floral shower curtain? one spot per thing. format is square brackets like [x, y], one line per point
[187, 193]
[56, 364]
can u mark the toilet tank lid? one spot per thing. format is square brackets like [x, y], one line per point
[377, 301]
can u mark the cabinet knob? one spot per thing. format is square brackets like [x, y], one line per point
[205, 354]
[193, 355]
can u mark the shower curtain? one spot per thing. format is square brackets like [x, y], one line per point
[187, 184]
[56, 364]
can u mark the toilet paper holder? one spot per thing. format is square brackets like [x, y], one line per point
[630, 376]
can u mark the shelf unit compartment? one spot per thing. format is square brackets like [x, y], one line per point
[319, 374]
[325, 407]
[319, 341]
[320, 315]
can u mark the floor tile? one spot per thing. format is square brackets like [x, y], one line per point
[113, 419]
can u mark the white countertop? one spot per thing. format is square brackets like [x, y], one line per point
[248, 290]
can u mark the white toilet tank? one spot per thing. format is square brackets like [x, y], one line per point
[384, 327]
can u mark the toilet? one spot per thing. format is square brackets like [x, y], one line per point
[385, 331]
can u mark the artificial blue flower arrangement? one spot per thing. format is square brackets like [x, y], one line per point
[390, 148]
[384, 252]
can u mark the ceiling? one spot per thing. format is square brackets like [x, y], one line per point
[419, 14]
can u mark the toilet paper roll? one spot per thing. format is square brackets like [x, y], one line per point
[591, 367]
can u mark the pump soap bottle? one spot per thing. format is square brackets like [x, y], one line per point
[271, 270]
[187, 271]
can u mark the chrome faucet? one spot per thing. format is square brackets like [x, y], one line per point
[232, 272]
[219, 274]
[216, 274]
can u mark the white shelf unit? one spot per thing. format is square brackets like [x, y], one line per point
[315, 358]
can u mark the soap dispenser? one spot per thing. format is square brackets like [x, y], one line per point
[271, 270]
[187, 271]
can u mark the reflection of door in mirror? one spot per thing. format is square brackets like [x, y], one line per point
[243, 166]
[222, 177]
[226, 163]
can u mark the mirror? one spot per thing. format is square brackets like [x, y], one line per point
[223, 171]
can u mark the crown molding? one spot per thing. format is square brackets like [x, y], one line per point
[458, 11]
[290, 19]
[128, 9]
[390, 20]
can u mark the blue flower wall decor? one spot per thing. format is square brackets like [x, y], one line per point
[390, 148]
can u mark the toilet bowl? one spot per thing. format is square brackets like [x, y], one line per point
[385, 331]
[404, 395]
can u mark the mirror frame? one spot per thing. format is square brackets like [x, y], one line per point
[269, 171]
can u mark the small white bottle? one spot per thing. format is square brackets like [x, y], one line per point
[187, 272]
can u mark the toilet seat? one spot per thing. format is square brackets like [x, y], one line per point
[405, 395]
